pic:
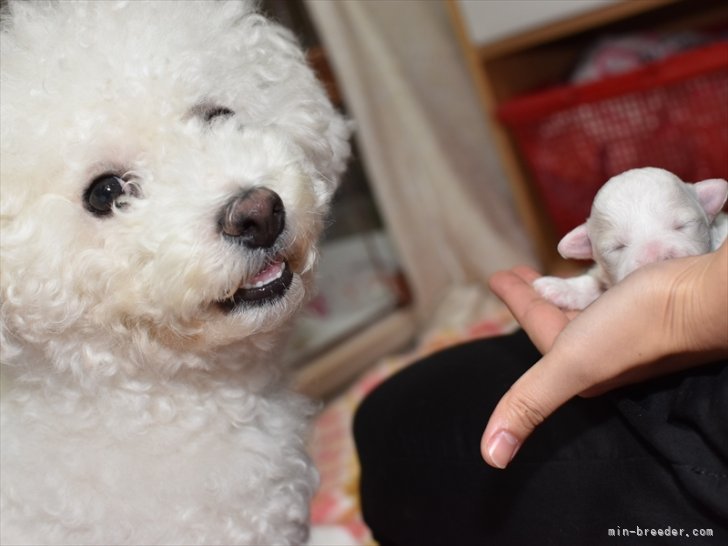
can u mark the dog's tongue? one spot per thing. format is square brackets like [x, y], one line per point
[268, 274]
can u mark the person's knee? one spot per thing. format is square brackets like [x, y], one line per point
[371, 417]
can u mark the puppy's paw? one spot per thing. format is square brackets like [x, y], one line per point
[575, 293]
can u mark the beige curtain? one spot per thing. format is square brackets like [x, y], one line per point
[425, 142]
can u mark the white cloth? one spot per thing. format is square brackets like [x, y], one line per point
[424, 139]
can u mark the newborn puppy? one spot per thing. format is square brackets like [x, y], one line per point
[638, 217]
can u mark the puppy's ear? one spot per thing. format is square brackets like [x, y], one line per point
[576, 244]
[712, 195]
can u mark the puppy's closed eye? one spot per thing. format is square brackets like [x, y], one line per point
[682, 226]
[614, 248]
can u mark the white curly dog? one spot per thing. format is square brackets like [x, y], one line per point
[166, 168]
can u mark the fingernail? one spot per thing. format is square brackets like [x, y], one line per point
[502, 448]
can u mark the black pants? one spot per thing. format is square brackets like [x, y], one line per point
[606, 470]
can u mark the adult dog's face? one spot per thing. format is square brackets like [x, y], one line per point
[165, 171]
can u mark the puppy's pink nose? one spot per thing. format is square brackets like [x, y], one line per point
[655, 252]
[255, 217]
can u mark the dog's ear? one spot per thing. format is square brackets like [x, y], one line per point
[576, 244]
[712, 195]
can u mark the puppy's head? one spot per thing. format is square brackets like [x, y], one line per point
[643, 216]
[165, 170]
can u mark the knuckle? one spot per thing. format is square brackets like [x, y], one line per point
[526, 410]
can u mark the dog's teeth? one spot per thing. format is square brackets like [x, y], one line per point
[268, 274]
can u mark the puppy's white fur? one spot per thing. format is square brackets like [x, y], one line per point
[134, 409]
[638, 217]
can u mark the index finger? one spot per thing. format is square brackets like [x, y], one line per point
[541, 319]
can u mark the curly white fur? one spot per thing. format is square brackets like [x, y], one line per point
[134, 409]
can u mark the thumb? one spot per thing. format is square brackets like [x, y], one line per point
[529, 401]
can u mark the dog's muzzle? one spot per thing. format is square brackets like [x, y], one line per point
[255, 219]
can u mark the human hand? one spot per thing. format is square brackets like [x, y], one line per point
[542, 320]
[664, 317]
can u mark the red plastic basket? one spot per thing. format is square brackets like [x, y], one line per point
[671, 114]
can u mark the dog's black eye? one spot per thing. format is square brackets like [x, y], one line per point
[215, 112]
[101, 194]
[207, 111]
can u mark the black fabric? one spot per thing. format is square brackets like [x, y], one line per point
[684, 419]
[652, 457]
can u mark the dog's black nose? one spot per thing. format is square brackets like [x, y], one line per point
[255, 217]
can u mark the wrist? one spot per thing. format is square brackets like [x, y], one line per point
[697, 306]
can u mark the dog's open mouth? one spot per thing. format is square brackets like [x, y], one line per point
[266, 286]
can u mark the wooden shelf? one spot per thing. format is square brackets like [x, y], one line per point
[544, 56]
[324, 376]
[566, 28]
